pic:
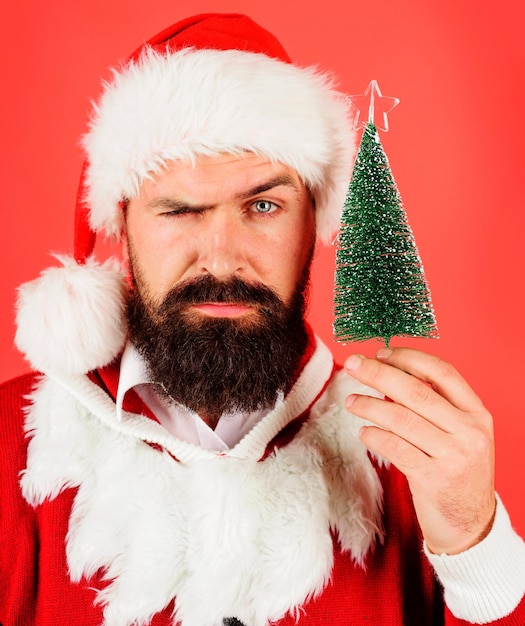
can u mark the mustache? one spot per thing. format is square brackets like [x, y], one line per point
[207, 288]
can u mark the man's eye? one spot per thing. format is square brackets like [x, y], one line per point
[264, 206]
[182, 211]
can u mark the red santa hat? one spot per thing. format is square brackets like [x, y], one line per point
[211, 84]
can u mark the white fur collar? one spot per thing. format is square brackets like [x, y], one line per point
[213, 526]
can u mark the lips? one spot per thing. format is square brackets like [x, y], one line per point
[220, 309]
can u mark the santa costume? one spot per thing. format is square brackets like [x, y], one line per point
[107, 517]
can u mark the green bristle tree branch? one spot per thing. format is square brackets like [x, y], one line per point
[380, 286]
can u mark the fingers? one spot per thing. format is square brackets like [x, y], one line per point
[420, 382]
[443, 377]
[407, 458]
[402, 388]
[406, 424]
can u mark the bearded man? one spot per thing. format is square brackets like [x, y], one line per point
[195, 457]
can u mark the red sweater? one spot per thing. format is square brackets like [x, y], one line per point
[397, 586]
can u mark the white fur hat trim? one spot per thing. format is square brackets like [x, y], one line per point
[173, 106]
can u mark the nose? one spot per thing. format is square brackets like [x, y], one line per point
[221, 245]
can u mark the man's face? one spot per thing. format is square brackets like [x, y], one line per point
[220, 254]
[226, 216]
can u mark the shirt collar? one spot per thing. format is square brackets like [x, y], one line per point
[133, 372]
[179, 420]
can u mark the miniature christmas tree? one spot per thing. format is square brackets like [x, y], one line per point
[380, 286]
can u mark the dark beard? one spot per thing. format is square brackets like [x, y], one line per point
[220, 365]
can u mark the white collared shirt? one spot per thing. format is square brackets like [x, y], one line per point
[180, 421]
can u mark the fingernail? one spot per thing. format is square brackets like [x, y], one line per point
[383, 353]
[350, 400]
[353, 362]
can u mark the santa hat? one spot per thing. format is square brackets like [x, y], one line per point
[211, 84]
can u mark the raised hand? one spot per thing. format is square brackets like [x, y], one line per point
[434, 429]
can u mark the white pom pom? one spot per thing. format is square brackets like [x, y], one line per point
[72, 318]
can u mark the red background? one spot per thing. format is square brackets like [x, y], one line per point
[455, 147]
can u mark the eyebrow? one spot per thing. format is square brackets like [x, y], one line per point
[173, 204]
[277, 181]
